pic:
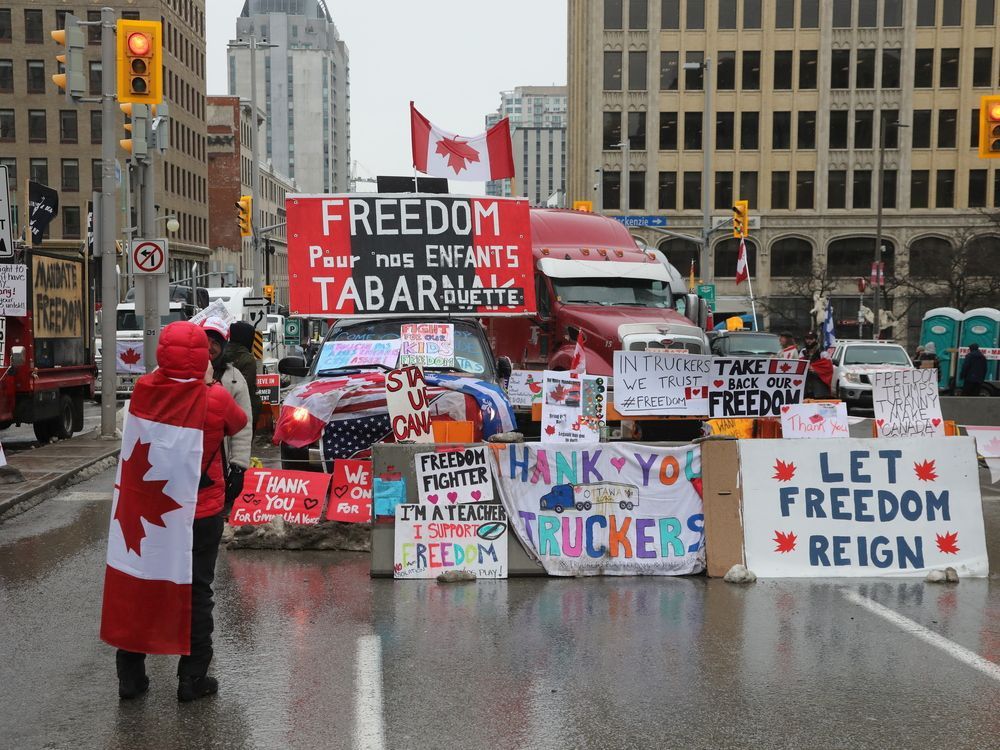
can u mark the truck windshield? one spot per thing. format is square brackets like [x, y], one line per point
[876, 355]
[613, 292]
[129, 321]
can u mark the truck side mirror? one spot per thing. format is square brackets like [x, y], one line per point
[293, 366]
[504, 368]
[691, 307]
[17, 356]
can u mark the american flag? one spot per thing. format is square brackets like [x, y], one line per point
[353, 438]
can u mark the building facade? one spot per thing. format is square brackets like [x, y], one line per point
[538, 137]
[303, 84]
[46, 139]
[800, 92]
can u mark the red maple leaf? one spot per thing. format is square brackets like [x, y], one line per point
[783, 472]
[550, 430]
[558, 393]
[457, 152]
[925, 471]
[785, 542]
[140, 499]
[947, 543]
[130, 356]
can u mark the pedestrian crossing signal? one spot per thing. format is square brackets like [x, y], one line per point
[989, 127]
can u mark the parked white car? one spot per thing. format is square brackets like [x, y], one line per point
[855, 361]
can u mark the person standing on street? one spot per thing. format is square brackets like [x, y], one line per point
[239, 354]
[788, 348]
[929, 358]
[973, 371]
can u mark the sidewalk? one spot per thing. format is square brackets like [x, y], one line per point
[52, 466]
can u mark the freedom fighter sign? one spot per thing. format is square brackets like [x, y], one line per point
[862, 507]
[404, 254]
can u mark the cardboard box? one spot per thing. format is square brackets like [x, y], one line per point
[723, 498]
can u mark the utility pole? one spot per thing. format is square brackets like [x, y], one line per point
[877, 269]
[708, 128]
[109, 262]
[151, 298]
[626, 173]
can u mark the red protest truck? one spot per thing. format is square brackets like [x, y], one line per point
[47, 354]
[592, 277]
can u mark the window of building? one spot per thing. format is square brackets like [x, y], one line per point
[892, 13]
[612, 130]
[611, 190]
[6, 31]
[612, 14]
[94, 32]
[724, 190]
[949, 68]
[694, 78]
[695, 14]
[867, 14]
[71, 222]
[840, 69]
[864, 72]
[926, 255]
[842, 14]
[636, 71]
[668, 131]
[725, 131]
[805, 189]
[790, 257]
[751, 70]
[888, 188]
[848, 256]
[779, 190]
[726, 71]
[612, 71]
[837, 189]
[94, 78]
[726, 256]
[6, 76]
[781, 130]
[862, 197]
[670, 14]
[974, 129]
[864, 121]
[945, 188]
[33, 32]
[667, 191]
[807, 68]
[984, 12]
[838, 128]
[36, 76]
[923, 69]
[809, 14]
[921, 128]
[637, 190]
[748, 188]
[996, 189]
[889, 124]
[8, 131]
[890, 68]
[38, 171]
[977, 188]
[806, 131]
[920, 182]
[692, 131]
[926, 12]
[96, 176]
[947, 127]
[951, 14]
[638, 12]
[692, 190]
[95, 125]
[67, 126]
[37, 127]
[668, 71]
[784, 14]
[982, 66]
[782, 70]
[751, 14]
[749, 129]
[637, 131]
[71, 175]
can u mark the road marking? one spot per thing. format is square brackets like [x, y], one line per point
[964, 655]
[369, 730]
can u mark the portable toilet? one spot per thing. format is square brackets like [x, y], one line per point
[941, 325]
[981, 326]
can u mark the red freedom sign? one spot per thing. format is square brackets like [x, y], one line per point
[351, 491]
[405, 254]
[296, 496]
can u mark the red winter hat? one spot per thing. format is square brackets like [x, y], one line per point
[217, 327]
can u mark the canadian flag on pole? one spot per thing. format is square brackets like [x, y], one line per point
[147, 581]
[442, 154]
[578, 365]
[742, 273]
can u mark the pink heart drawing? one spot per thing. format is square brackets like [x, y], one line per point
[432, 499]
[452, 496]
[785, 409]
[718, 383]
[476, 494]
[935, 421]
[618, 463]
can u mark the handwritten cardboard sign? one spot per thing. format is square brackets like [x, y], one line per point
[454, 476]
[13, 289]
[653, 382]
[573, 408]
[862, 507]
[524, 388]
[754, 386]
[296, 496]
[433, 539]
[350, 491]
[345, 354]
[407, 401]
[216, 309]
[907, 403]
[57, 289]
[427, 344]
[814, 421]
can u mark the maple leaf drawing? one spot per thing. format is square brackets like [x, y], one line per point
[550, 430]
[457, 152]
[139, 499]
[558, 393]
[130, 356]
[947, 543]
[785, 542]
[783, 472]
[925, 471]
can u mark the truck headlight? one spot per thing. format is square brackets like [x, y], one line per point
[852, 378]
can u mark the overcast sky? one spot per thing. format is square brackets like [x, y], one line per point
[451, 57]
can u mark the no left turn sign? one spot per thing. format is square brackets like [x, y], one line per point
[149, 256]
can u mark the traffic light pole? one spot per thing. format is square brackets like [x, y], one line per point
[255, 166]
[109, 261]
[151, 311]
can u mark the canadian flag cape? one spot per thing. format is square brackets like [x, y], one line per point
[147, 581]
[442, 154]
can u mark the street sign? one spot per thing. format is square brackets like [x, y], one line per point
[149, 256]
[255, 310]
[293, 329]
[707, 293]
[641, 221]
[6, 236]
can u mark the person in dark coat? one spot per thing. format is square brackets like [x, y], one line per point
[973, 371]
[239, 352]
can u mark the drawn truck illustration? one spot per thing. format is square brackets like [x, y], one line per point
[587, 496]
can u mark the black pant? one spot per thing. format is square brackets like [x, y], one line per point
[207, 533]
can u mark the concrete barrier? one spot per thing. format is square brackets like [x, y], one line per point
[981, 411]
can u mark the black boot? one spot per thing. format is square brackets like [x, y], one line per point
[132, 686]
[193, 688]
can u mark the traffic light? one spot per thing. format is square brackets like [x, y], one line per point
[989, 127]
[137, 146]
[741, 219]
[245, 207]
[269, 292]
[140, 61]
[72, 79]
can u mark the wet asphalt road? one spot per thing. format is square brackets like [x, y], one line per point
[312, 653]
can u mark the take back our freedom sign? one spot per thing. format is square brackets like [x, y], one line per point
[379, 254]
[862, 507]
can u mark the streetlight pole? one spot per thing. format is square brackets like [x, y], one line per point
[877, 287]
[109, 260]
[626, 172]
[707, 130]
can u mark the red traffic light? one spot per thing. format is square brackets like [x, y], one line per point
[139, 44]
[994, 111]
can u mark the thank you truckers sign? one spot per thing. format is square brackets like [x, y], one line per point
[409, 254]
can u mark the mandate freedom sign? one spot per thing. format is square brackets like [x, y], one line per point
[862, 507]
[409, 254]
[612, 509]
